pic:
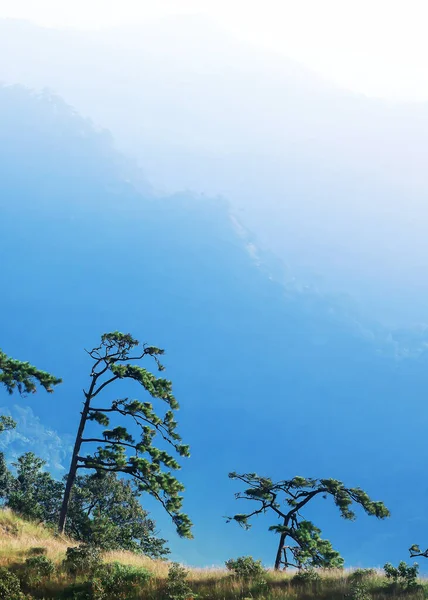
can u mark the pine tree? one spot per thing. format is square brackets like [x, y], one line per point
[310, 550]
[117, 451]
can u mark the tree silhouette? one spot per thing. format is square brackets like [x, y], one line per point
[416, 551]
[309, 549]
[117, 450]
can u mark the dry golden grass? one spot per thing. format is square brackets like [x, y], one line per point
[18, 537]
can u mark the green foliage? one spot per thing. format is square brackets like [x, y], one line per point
[105, 511]
[177, 587]
[119, 582]
[310, 549]
[21, 376]
[112, 581]
[359, 591]
[405, 576]
[118, 451]
[306, 577]
[84, 559]
[6, 478]
[10, 586]
[6, 423]
[34, 493]
[361, 575]
[245, 567]
[37, 568]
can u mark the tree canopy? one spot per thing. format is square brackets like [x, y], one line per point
[285, 499]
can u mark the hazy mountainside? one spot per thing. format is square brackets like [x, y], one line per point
[271, 379]
[333, 182]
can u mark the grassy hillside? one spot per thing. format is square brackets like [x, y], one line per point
[21, 540]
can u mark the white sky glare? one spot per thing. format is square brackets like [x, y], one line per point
[377, 47]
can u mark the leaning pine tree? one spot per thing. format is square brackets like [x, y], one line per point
[285, 500]
[117, 450]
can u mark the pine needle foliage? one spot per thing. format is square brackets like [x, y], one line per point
[23, 377]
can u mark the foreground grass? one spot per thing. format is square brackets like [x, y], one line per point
[20, 539]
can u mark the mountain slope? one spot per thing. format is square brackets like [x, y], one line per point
[332, 182]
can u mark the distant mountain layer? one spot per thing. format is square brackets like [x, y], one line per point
[271, 378]
[332, 182]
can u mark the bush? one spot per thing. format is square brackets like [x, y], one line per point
[176, 587]
[112, 581]
[403, 576]
[362, 574]
[119, 582]
[10, 586]
[37, 568]
[306, 577]
[359, 591]
[81, 559]
[78, 591]
[246, 567]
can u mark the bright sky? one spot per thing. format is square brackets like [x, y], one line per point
[378, 47]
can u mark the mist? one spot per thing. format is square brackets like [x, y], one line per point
[331, 182]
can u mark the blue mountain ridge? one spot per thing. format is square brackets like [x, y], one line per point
[272, 377]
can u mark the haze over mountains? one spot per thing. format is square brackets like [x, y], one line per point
[333, 183]
[271, 378]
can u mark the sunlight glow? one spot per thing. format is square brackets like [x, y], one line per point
[376, 47]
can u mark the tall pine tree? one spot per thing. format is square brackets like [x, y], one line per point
[116, 450]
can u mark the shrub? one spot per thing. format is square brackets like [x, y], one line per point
[246, 567]
[306, 577]
[81, 559]
[38, 568]
[112, 581]
[359, 591]
[176, 587]
[119, 582]
[361, 574]
[79, 591]
[10, 586]
[405, 576]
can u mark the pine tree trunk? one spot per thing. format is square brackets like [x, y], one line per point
[73, 465]
[280, 547]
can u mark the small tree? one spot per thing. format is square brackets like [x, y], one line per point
[34, 493]
[105, 511]
[21, 376]
[118, 451]
[309, 549]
